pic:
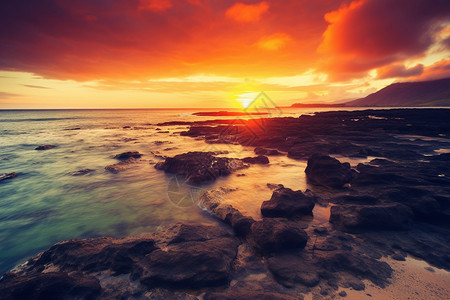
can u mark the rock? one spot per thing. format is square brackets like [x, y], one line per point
[356, 218]
[328, 171]
[213, 201]
[277, 235]
[287, 203]
[265, 151]
[200, 167]
[196, 260]
[260, 159]
[121, 166]
[82, 172]
[6, 176]
[274, 186]
[93, 255]
[52, 285]
[358, 265]
[290, 269]
[342, 294]
[45, 147]
[127, 155]
[247, 295]
[398, 257]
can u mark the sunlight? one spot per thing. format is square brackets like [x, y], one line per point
[246, 98]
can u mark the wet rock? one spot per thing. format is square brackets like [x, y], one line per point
[274, 186]
[357, 218]
[200, 167]
[128, 155]
[328, 171]
[213, 202]
[261, 159]
[287, 203]
[290, 269]
[265, 151]
[45, 147]
[342, 294]
[6, 176]
[82, 172]
[398, 257]
[121, 166]
[197, 260]
[277, 235]
[52, 285]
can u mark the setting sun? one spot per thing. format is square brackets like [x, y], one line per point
[246, 98]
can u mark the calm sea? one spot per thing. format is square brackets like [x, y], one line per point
[45, 203]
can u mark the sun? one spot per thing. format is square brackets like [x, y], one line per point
[246, 99]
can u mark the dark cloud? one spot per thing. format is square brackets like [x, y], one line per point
[369, 34]
[399, 70]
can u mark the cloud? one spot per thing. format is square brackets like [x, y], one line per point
[274, 41]
[154, 5]
[241, 12]
[5, 95]
[438, 70]
[35, 86]
[368, 34]
[399, 70]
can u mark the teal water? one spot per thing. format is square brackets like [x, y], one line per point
[45, 204]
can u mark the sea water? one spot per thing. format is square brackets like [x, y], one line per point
[45, 203]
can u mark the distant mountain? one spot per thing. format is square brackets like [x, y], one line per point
[422, 93]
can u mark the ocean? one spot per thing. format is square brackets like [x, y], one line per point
[46, 203]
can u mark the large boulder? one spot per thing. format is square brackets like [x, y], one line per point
[328, 171]
[200, 167]
[356, 218]
[272, 235]
[287, 203]
[197, 257]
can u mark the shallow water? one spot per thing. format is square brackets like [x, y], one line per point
[45, 204]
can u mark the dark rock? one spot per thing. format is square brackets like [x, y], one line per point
[247, 295]
[398, 257]
[356, 218]
[6, 176]
[261, 159]
[265, 151]
[196, 260]
[276, 235]
[321, 230]
[52, 285]
[82, 172]
[200, 167]
[342, 294]
[127, 155]
[45, 147]
[287, 203]
[359, 265]
[328, 171]
[290, 269]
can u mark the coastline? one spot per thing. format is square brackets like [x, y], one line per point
[391, 165]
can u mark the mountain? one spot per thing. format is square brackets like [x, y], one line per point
[422, 93]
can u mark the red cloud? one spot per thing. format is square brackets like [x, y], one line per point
[154, 5]
[368, 34]
[247, 12]
[399, 70]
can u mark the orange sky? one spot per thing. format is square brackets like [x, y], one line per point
[208, 53]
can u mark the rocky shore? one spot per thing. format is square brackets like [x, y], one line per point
[394, 204]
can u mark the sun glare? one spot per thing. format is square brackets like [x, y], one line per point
[246, 98]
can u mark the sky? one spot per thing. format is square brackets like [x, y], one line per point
[214, 53]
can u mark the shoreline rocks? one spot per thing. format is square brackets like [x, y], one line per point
[200, 167]
[328, 171]
[287, 203]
